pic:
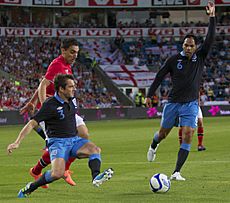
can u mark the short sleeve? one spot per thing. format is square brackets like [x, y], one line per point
[52, 71]
[44, 114]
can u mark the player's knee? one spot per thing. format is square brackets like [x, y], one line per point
[188, 133]
[98, 150]
[95, 150]
[200, 123]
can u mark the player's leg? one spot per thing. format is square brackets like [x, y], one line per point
[40, 132]
[188, 121]
[183, 152]
[169, 117]
[36, 171]
[59, 153]
[200, 131]
[158, 137]
[57, 172]
[84, 133]
[86, 149]
[179, 131]
[180, 135]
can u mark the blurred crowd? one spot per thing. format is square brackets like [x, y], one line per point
[153, 52]
[91, 93]
[27, 59]
[13, 95]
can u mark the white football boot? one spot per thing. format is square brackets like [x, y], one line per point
[177, 176]
[102, 177]
[151, 154]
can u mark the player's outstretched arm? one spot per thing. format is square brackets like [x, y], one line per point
[42, 90]
[210, 9]
[24, 132]
[210, 37]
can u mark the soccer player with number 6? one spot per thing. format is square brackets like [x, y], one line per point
[185, 69]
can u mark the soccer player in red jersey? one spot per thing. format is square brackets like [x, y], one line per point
[60, 65]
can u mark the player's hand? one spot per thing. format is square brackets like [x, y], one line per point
[29, 107]
[148, 102]
[210, 9]
[11, 147]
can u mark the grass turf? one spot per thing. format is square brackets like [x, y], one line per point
[124, 145]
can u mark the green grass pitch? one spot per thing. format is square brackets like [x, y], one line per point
[124, 144]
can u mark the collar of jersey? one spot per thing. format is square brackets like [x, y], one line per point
[183, 54]
[59, 98]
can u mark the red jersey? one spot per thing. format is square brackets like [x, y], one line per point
[57, 66]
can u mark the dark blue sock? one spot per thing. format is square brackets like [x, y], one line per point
[182, 156]
[95, 164]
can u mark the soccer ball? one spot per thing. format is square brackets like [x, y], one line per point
[159, 183]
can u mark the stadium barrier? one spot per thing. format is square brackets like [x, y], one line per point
[14, 118]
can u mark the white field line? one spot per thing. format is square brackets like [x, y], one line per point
[78, 162]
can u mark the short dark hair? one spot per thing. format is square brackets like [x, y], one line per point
[191, 36]
[61, 81]
[68, 42]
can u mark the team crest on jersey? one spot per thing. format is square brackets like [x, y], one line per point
[179, 64]
[54, 152]
[74, 102]
[194, 58]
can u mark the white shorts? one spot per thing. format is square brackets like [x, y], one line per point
[199, 115]
[79, 120]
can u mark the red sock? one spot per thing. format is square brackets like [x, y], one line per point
[69, 162]
[200, 134]
[180, 136]
[42, 163]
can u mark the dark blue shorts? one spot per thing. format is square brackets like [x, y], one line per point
[65, 147]
[186, 112]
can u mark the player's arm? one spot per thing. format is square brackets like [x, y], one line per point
[209, 39]
[157, 81]
[24, 132]
[42, 90]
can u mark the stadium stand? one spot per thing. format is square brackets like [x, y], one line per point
[125, 61]
[27, 60]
